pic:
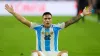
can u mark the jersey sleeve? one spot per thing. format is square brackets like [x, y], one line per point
[61, 25]
[33, 25]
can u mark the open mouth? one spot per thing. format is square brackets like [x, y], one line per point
[47, 23]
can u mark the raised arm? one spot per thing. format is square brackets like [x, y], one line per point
[85, 12]
[17, 16]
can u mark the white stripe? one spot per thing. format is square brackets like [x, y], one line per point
[42, 39]
[52, 39]
[57, 40]
[36, 41]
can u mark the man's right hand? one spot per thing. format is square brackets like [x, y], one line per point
[9, 8]
[17, 16]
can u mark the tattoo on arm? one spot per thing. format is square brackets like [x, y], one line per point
[73, 20]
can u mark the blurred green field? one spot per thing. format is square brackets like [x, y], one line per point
[80, 39]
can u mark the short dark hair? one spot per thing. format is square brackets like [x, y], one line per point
[47, 13]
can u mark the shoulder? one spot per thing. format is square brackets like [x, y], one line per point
[59, 25]
[35, 25]
[38, 27]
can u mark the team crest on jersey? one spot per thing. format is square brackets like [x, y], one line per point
[47, 36]
[42, 32]
[47, 33]
[51, 33]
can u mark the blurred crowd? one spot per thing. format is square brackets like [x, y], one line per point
[36, 0]
[95, 4]
[81, 4]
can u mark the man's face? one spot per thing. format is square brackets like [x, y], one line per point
[47, 20]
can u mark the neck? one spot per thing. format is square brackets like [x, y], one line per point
[46, 26]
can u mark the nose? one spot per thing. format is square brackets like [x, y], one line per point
[47, 20]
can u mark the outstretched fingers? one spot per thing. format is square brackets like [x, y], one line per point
[7, 6]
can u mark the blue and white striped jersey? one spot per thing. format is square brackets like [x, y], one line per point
[47, 38]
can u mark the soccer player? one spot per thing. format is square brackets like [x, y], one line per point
[47, 33]
[81, 4]
[96, 5]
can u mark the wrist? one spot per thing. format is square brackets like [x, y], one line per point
[82, 15]
[12, 12]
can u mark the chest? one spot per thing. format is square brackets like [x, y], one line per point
[47, 33]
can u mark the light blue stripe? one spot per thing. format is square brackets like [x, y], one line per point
[38, 29]
[56, 29]
[47, 40]
[47, 45]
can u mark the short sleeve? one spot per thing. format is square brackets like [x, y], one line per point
[33, 25]
[61, 25]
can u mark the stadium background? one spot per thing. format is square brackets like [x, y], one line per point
[16, 39]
